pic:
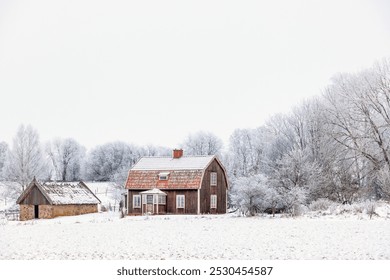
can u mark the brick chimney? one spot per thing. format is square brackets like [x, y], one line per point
[177, 153]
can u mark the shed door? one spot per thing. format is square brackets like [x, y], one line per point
[36, 211]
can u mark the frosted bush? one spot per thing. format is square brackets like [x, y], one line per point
[298, 210]
[3, 220]
[321, 204]
[370, 207]
[341, 209]
[358, 208]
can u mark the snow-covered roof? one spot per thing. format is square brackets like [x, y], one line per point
[178, 179]
[67, 193]
[63, 193]
[169, 163]
[154, 191]
[185, 172]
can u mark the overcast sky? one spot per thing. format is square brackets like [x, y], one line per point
[150, 72]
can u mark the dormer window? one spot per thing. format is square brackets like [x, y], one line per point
[163, 176]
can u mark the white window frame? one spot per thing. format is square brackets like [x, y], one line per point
[213, 201]
[213, 179]
[163, 176]
[180, 201]
[162, 199]
[135, 198]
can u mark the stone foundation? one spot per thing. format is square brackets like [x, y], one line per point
[72, 210]
[45, 212]
[26, 212]
[52, 211]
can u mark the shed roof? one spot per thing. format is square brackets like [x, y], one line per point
[63, 193]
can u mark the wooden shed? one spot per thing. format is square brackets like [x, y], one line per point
[52, 199]
[177, 185]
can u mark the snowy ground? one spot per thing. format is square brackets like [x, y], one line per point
[105, 236]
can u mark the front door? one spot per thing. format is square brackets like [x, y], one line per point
[36, 211]
[149, 203]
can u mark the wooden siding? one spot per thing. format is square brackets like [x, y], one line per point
[207, 190]
[130, 209]
[35, 197]
[191, 202]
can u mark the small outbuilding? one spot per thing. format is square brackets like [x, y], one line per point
[52, 199]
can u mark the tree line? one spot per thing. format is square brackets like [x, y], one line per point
[67, 160]
[335, 146]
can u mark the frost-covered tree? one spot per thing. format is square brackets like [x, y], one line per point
[25, 160]
[3, 155]
[111, 160]
[296, 170]
[202, 143]
[248, 194]
[273, 199]
[336, 146]
[248, 151]
[66, 156]
[153, 151]
[294, 199]
[358, 115]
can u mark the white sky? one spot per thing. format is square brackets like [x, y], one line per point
[150, 72]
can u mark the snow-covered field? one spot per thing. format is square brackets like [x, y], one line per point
[105, 236]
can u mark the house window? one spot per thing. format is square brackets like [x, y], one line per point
[149, 199]
[180, 201]
[163, 176]
[136, 201]
[213, 178]
[162, 199]
[213, 201]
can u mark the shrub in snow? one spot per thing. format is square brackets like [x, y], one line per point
[357, 208]
[273, 200]
[293, 199]
[298, 210]
[352, 209]
[370, 207]
[344, 209]
[321, 204]
[3, 219]
[248, 194]
[122, 213]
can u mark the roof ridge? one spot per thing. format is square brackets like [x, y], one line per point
[185, 156]
[60, 183]
[173, 169]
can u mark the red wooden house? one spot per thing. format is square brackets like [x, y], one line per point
[177, 185]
